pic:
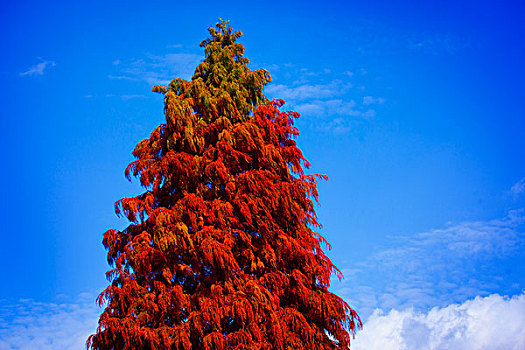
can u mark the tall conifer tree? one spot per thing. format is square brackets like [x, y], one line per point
[221, 252]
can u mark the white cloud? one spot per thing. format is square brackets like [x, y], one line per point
[121, 77]
[335, 115]
[323, 105]
[518, 188]
[493, 322]
[308, 91]
[368, 100]
[464, 240]
[29, 324]
[38, 69]
[126, 97]
[328, 107]
[271, 67]
[157, 69]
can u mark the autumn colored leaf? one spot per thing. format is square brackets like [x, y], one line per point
[221, 251]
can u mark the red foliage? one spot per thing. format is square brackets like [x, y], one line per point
[221, 252]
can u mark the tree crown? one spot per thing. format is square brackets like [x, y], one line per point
[221, 252]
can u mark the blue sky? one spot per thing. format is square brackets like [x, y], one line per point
[415, 111]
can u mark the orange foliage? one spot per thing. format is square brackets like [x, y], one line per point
[221, 252]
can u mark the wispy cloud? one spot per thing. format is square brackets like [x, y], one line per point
[441, 266]
[493, 322]
[335, 115]
[126, 97]
[122, 77]
[308, 91]
[324, 103]
[156, 69]
[492, 237]
[434, 43]
[325, 106]
[66, 324]
[518, 188]
[368, 100]
[365, 39]
[38, 69]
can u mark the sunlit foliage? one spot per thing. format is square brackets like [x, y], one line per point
[221, 252]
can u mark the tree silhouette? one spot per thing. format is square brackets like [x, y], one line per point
[221, 252]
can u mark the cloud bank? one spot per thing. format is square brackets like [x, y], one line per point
[493, 322]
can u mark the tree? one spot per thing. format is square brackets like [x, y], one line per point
[221, 252]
